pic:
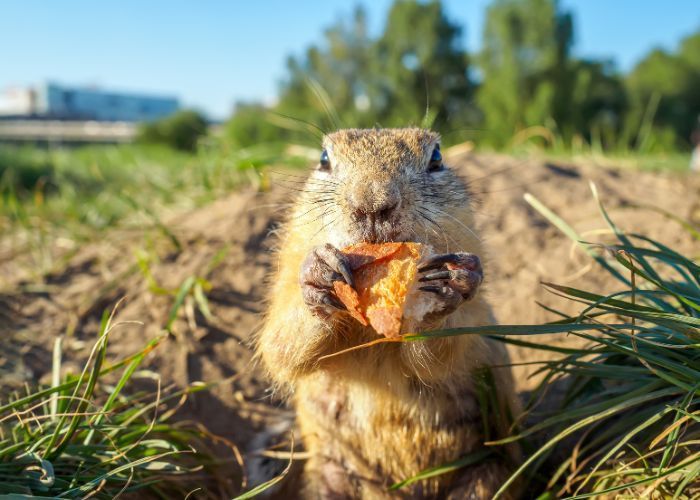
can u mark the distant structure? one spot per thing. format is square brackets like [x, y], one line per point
[51, 101]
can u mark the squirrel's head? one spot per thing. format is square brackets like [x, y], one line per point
[379, 185]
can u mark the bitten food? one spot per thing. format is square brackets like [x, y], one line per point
[386, 295]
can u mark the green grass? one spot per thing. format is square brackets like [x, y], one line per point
[547, 143]
[73, 196]
[653, 162]
[97, 187]
[94, 434]
[629, 423]
[632, 397]
[632, 402]
[656, 162]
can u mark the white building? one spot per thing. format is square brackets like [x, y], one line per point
[17, 101]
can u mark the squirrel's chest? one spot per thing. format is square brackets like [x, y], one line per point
[395, 429]
[355, 405]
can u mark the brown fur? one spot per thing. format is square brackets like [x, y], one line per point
[382, 414]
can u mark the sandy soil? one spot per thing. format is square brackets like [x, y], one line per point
[524, 250]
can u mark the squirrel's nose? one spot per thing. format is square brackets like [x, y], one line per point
[381, 213]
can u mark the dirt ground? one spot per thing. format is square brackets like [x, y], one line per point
[142, 265]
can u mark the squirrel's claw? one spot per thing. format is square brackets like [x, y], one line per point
[462, 260]
[324, 265]
[456, 277]
[440, 275]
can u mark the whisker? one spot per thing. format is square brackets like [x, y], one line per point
[305, 181]
[445, 234]
[459, 222]
[320, 206]
[425, 227]
[499, 171]
[302, 178]
[304, 122]
[302, 223]
[322, 228]
[302, 190]
[509, 188]
[276, 206]
[302, 185]
[308, 182]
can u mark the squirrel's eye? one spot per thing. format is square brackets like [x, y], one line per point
[435, 164]
[325, 163]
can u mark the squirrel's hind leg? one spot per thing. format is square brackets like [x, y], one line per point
[327, 479]
[480, 482]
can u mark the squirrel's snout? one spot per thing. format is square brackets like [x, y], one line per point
[374, 215]
[374, 211]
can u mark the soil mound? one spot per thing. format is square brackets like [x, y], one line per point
[225, 248]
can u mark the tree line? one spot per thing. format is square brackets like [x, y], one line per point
[524, 83]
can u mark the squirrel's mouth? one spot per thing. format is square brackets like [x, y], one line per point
[391, 234]
[352, 232]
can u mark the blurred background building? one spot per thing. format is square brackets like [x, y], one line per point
[61, 102]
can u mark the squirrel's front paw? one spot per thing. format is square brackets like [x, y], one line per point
[453, 277]
[322, 266]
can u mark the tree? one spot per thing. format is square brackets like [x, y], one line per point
[352, 80]
[596, 103]
[665, 102]
[523, 62]
[181, 130]
[329, 86]
[416, 72]
[423, 69]
[530, 77]
[249, 125]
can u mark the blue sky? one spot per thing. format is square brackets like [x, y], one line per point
[212, 53]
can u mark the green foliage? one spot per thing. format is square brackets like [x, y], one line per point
[629, 421]
[423, 66]
[414, 73]
[89, 186]
[76, 194]
[526, 45]
[99, 186]
[525, 86]
[89, 435]
[597, 105]
[342, 67]
[24, 169]
[634, 389]
[181, 131]
[665, 86]
[530, 78]
[250, 125]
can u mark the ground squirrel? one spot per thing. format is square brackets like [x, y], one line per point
[371, 417]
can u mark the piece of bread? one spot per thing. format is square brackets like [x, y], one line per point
[386, 295]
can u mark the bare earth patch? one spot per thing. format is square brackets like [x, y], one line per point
[228, 243]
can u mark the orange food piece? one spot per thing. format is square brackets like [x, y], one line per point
[386, 320]
[385, 278]
[351, 299]
[366, 253]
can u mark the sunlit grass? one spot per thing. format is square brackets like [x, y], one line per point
[54, 201]
[629, 423]
[632, 397]
[632, 394]
[547, 144]
[96, 435]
